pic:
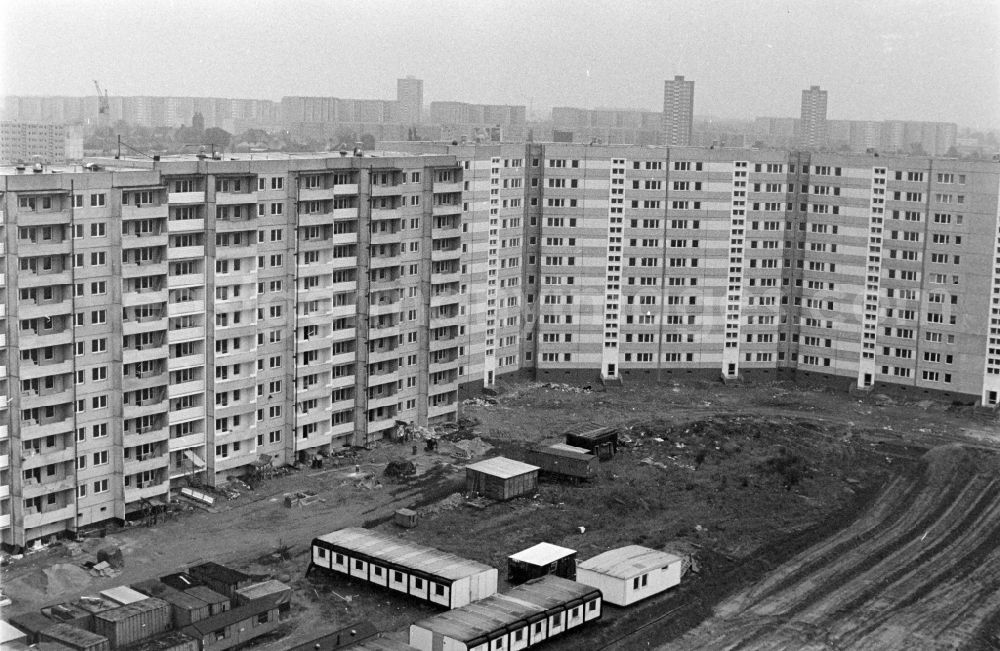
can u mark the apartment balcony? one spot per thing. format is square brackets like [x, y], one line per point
[4, 432]
[241, 356]
[187, 388]
[144, 269]
[4, 494]
[49, 398]
[146, 491]
[341, 405]
[341, 382]
[145, 437]
[3, 307]
[386, 213]
[185, 252]
[186, 361]
[186, 442]
[340, 359]
[236, 460]
[146, 380]
[383, 261]
[47, 487]
[339, 311]
[144, 353]
[234, 198]
[317, 390]
[58, 514]
[4, 461]
[31, 430]
[345, 189]
[387, 237]
[446, 188]
[349, 262]
[315, 194]
[44, 279]
[136, 465]
[377, 427]
[234, 252]
[385, 308]
[341, 430]
[186, 198]
[317, 415]
[313, 343]
[315, 219]
[29, 310]
[444, 298]
[446, 320]
[132, 299]
[196, 306]
[442, 410]
[145, 324]
[314, 318]
[445, 365]
[445, 278]
[145, 211]
[443, 343]
[131, 241]
[185, 225]
[345, 334]
[47, 247]
[147, 407]
[179, 335]
[320, 268]
[446, 209]
[383, 355]
[440, 255]
[186, 280]
[45, 456]
[31, 371]
[387, 285]
[31, 339]
[344, 214]
[3, 406]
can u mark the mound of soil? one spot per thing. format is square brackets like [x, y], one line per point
[51, 581]
[945, 461]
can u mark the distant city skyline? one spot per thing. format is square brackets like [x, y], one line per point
[914, 60]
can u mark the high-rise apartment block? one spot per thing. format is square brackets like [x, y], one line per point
[410, 99]
[178, 319]
[30, 142]
[678, 111]
[813, 125]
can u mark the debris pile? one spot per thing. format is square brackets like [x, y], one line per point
[400, 469]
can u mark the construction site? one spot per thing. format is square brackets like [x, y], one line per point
[809, 518]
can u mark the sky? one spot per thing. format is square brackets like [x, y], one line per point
[878, 59]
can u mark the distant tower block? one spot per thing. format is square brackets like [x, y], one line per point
[678, 111]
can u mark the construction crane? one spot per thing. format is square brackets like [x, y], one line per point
[103, 105]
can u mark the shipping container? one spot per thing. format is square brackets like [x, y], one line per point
[217, 603]
[563, 461]
[75, 638]
[405, 518]
[402, 566]
[185, 608]
[32, 623]
[72, 614]
[122, 595]
[271, 590]
[127, 625]
[501, 478]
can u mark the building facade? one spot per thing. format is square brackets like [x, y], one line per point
[30, 142]
[812, 122]
[678, 111]
[180, 321]
[410, 99]
[174, 321]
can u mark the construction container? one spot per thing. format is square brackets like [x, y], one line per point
[403, 566]
[128, 625]
[220, 578]
[75, 638]
[501, 478]
[10, 634]
[542, 559]
[217, 603]
[630, 574]
[185, 608]
[273, 591]
[72, 614]
[173, 641]
[31, 623]
[180, 581]
[599, 440]
[122, 595]
[405, 518]
[562, 460]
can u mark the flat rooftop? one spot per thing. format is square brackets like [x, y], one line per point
[542, 554]
[502, 467]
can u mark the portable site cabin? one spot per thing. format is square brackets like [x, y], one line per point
[220, 578]
[186, 608]
[123, 595]
[236, 627]
[423, 572]
[544, 558]
[630, 574]
[180, 581]
[126, 625]
[599, 440]
[271, 591]
[217, 603]
[563, 460]
[501, 478]
[75, 638]
[32, 623]
[514, 620]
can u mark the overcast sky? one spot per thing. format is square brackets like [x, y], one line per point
[918, 60]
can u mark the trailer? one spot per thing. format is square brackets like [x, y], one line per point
[631, 573]
[401, 566]
[561, 460]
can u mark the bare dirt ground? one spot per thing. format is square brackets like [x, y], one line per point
[810, 511]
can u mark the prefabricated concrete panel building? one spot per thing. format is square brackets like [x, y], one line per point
[399, 565]
[501, 478]
[630, 574]
[522, 617]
